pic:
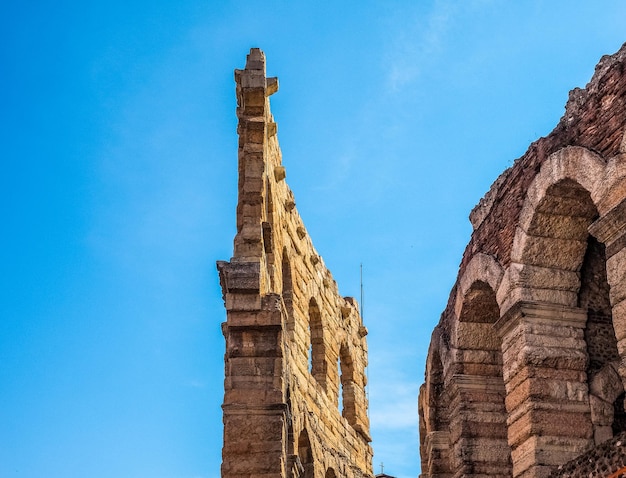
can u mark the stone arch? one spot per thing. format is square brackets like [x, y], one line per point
[478, 427]
[317, 351]
[330, 473]
[543, 327]
[550, 240]
[481, 267]
[434, 417]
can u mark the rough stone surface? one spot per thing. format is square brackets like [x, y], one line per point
[605, 460]
[527, 366]
[293, 344]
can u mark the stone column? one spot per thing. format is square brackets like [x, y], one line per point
[478, 425]
[547, 400]
[438, 451]
[611, 230]
[255, 411]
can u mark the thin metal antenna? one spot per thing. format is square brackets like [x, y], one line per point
[367, 369]
[362, 308]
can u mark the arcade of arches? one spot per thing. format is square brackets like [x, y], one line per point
[526, 368]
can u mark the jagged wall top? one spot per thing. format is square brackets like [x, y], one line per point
[255, 125]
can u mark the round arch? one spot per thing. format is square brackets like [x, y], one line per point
[551, 238]
[317, 351]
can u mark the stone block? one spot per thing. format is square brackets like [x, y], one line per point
[602, 434]
[548, 224]
[619, 320]
[618, 285]
[548, 278]
[564, 254]
[473, 335]
[606, 384]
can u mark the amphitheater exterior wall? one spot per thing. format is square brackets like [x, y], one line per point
[526, 368]
[296, 352]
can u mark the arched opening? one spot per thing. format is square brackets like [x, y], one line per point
[594, 298]
[573, 265]
[608, 419]
[547, 327]
[317, 350]
[435, 442]
[555, 241]
[305, 454]
[347, 392]
[287, 289]
[478, 413]
[330, 473]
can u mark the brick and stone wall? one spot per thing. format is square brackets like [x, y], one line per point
[293, 343]
[526, 369]
[605, 460]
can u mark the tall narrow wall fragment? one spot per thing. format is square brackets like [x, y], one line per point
[293, 344]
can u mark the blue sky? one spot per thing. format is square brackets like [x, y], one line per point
[119, 155]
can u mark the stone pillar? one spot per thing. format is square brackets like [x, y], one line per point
[438, 451]
[255, 411]
[547, 400]
[478, 426]
[611, 230]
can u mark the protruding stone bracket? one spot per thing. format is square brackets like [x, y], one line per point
[242, 277]
[271, 86]
[280, 173]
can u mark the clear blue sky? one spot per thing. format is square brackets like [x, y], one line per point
[119, 163]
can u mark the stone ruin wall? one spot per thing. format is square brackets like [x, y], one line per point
[293, 344]
[526, 369]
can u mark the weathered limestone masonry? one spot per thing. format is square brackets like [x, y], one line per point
[526, 369]
[294, 401]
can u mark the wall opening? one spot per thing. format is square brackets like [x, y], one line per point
[305, 454]
[436, 442]
[593, 296]
[317, 349]
[287, 289]
[347, 388]
[479, 414]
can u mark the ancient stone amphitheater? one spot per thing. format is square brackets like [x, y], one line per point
[526, 370]
[527, 367]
